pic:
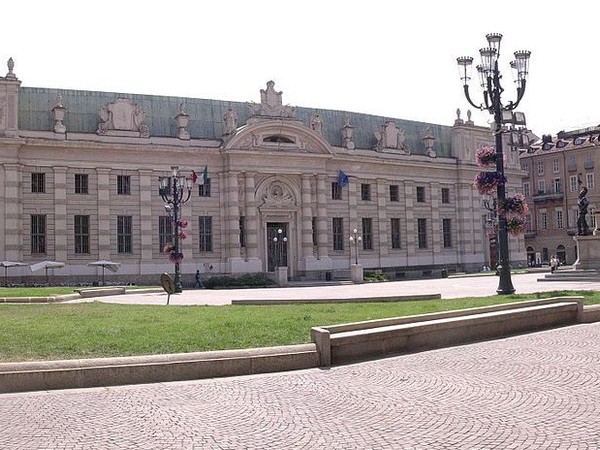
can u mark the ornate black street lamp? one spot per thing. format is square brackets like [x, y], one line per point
[489, 78]
[280, 242]
[175, 191]
[355, 240]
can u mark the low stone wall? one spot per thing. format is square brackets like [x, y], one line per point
[84, 373]
[339, 344]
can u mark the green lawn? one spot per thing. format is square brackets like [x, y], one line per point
[86, 330]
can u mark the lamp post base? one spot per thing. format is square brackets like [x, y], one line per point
[356, 273]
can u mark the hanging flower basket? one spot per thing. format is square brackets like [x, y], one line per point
[182, 223]
[176, 258]
[182, 234]
[515, 226]
[513, 207]
[488, 182]
[168, 248]
[486, 156]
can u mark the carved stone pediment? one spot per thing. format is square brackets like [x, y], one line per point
[271, 104]
[123, 117]
[390, 138]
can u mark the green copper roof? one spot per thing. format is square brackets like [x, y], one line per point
[206, 117]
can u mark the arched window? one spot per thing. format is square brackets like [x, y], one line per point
[561, 254]
[278, 139]
[530, 256]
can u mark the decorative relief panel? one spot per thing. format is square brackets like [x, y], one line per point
[271, 104]
[390, 137]
[123, 117]
[278, 195]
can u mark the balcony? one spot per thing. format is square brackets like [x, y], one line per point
[542, 196]
[588, 165]
[529, 234]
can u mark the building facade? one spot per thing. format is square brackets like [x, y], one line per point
[80, 175]
[556, 170]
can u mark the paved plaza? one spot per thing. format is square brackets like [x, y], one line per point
[534, 391]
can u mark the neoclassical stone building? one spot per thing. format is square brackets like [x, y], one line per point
[79, 173]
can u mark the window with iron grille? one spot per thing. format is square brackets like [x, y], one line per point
[447, 232]
[395, 225]
[81, 183]
[242, 231]
[123, 184]
[81, 228]
[367, 233]
[338, 233]
[422, 232]
[38, 182]
[165, 232]
[365, 192]
[204, 189]
[205, 234]
[38, 233]
[124, 234]
[394, 193]
[445, 195]
[420, 194]
[336, 191]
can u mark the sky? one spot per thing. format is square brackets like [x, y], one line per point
[389, 58]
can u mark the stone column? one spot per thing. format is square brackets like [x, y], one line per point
[146, 217]
[11, 213]
[252, 224]
[436, 220]
[322, 218]
[306, 222]
[384, 221]
[104, 238]
[60, 213]
[411, 224]
[232, 222]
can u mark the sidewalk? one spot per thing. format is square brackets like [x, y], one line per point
[453, 287]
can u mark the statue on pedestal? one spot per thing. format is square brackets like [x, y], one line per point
[582, 204]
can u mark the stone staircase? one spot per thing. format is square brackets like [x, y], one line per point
[568, 274]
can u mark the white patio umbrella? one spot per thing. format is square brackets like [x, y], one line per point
[6, 265]
[46, 265]
[110, 265]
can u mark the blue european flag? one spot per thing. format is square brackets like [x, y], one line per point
[342, 179]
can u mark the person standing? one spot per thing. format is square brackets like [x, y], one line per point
[198, 284]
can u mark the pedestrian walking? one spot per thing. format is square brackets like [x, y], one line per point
[198, 284]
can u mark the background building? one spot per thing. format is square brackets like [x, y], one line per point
[556, 169]
[80, 171]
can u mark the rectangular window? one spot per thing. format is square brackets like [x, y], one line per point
[445, 195]
[314, 231]
[81, 183]
[38, 233]
[541, 186]
[555, 165]
[81, 226]
[525, 167]
[543, 221]
[367, 233]
[242, 231]
[589, 179]
[38, 182]
[165, 232]
[123, 184]
[338, 233]
[394, 193]
[420, 194]
[559, 218]
[422, 232]
[336, 191]
[540, 168]
[365, 192]
[526, 191]
[124, 234]
[573, 183]
[396, 242]
[557, 185]
[205, 234]
[447, 232]
[204, 189]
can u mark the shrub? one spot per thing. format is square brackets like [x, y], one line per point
[375, 276]
[246, 280]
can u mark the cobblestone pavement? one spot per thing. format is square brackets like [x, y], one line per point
[535, 391]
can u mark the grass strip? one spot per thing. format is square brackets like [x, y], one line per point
[89, 330]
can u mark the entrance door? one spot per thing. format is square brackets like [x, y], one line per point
[277, 249]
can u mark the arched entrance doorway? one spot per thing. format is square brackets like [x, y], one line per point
[530, 256]
[561, 254]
